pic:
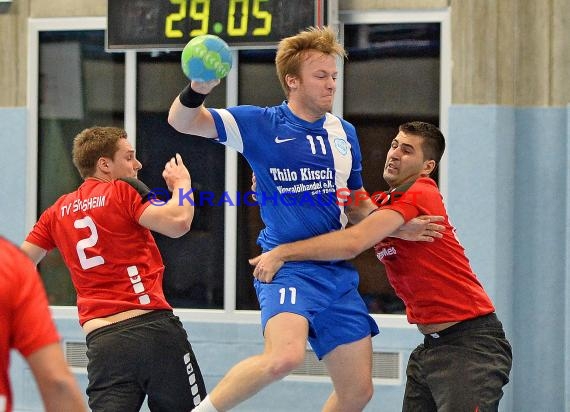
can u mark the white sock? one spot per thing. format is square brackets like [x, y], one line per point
[205, 406]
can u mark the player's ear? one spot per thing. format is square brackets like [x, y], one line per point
[291, 81]
[429, 166]
[103, 164]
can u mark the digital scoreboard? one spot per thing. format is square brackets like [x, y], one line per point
[170, 24]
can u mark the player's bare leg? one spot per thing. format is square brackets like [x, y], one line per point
[285, 344]
[350, 368]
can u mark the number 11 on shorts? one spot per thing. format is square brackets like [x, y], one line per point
[283, 293]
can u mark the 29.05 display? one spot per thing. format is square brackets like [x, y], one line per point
[170, 24]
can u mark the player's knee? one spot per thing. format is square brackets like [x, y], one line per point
[282, 365]
[364, 394]
[356, 397]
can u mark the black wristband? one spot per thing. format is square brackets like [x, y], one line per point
[190, 98]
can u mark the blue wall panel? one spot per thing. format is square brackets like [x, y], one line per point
[508, 195]
[540, 253]
[13, 172]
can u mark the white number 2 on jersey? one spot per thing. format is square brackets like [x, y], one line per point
[87, 263]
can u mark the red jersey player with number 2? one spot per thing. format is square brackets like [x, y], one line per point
[136, 346]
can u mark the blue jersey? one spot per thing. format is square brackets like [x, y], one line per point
[299, 167]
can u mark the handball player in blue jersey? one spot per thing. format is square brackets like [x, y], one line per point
[302, 157]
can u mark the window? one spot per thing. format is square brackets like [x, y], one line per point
[256, 68]
[391, 77]
[194, 274]
[86, 89]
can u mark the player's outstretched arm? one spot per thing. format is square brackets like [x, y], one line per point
[338, 245]
[187, 113]
[421, 229]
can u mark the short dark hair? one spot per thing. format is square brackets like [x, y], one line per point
[433, 141]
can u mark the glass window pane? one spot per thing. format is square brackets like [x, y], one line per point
[391, 77]
[194, 274]
[79, 86]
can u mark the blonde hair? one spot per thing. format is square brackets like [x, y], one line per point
[291, 50]
[91, 144]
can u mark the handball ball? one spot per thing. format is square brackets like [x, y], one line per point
[205, 58]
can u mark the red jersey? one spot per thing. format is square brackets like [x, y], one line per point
[25, 319]
[114, 262]
[435, 280]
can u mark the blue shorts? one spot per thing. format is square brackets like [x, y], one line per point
[326, 294]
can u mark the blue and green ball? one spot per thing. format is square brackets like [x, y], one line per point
[206, 58]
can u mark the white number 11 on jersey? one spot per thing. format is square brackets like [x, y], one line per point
[283, 293]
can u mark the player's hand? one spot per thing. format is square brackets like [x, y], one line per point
[204, 87]
[421, 228]
[266, 266]
[175, 171]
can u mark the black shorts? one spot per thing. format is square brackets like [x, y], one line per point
[148, 355]
[462, 369]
